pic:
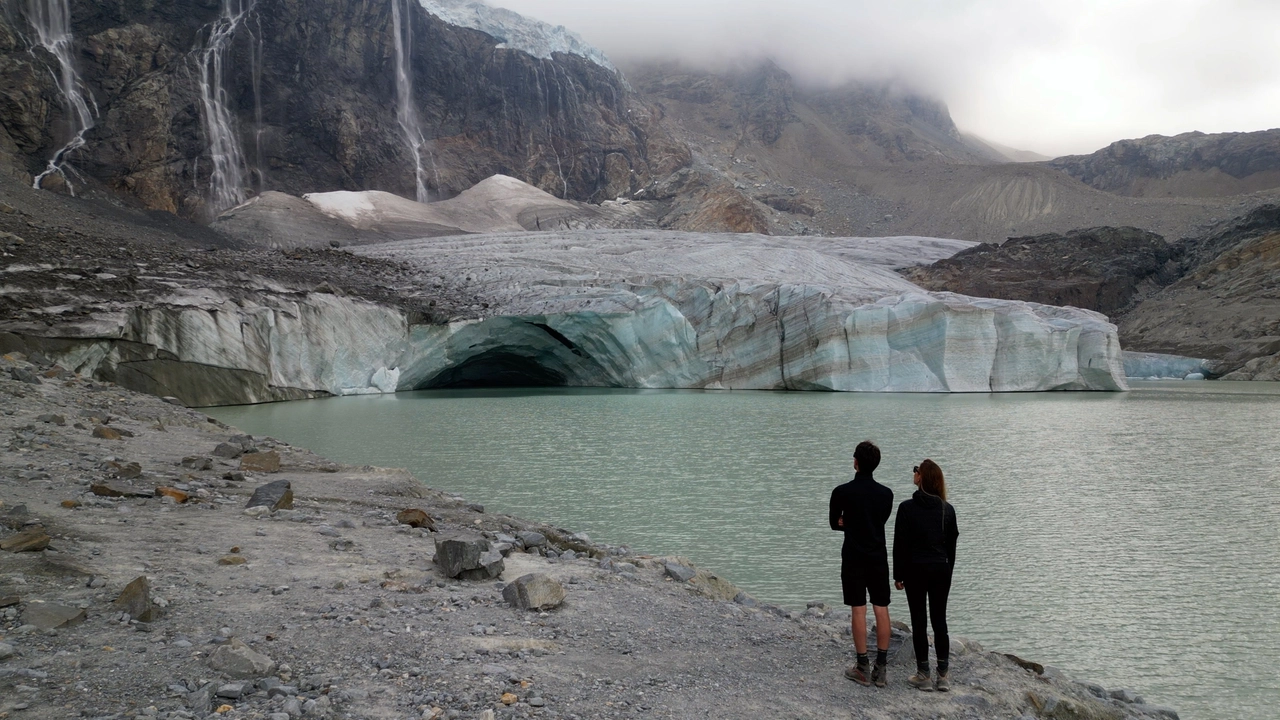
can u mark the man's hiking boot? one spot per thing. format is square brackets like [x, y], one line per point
[858, 674]
[942, 684]
[921, 681]
[880, 675]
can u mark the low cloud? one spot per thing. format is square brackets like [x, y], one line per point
[1064, 76]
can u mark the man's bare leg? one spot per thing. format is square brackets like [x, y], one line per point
[882, 627]
[860, 628]
[858, 672]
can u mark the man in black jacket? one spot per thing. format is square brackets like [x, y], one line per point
[859, 509]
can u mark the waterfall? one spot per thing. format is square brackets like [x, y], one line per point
[51, 20]
[227, 178]
[405, 112]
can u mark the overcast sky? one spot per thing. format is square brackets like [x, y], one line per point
[1053, 76]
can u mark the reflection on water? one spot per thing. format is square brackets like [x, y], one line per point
[1129, 538]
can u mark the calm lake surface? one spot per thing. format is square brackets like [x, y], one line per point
[1132, 539]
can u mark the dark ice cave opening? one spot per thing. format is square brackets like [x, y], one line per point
[498, 368]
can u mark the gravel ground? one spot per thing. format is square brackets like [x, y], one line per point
[355, 617]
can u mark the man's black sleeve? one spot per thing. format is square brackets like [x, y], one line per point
[835, 511]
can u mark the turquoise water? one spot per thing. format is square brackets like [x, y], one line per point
[1128, 538]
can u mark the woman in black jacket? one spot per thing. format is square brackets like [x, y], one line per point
[924, 552]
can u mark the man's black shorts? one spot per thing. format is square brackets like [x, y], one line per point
[861, 577]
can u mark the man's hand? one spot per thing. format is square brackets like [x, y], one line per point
[897, 584]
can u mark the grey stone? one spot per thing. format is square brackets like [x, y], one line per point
[282, 691]
[49, 616]
[24, 375]
[292, 707]
[475, 507]
[266, 462]
[276, 495]
[537, 702]
[228, 451]
[278, 716]
[468, 557]
[492, 669]
[52, 419]
[678, 572]
[535, 591]
[231, 690]
[532, 539]
[238, 660]
[1094, 689]
[201, 700]
[6, 651]
[1126, 695]
[197, 462]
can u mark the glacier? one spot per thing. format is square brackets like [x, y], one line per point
[634, 309]
[1160, 366]
[516, 31]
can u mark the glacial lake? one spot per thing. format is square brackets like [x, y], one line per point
[1132, 539]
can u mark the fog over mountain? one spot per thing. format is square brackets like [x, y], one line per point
[1053, 76]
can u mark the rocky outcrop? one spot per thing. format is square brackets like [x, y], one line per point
[1190, 164]
[310, 92]
[1225, 305]
[1103, 269]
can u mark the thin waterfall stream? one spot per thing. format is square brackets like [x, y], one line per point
[51, 20]
[228, 177]
[410, 125]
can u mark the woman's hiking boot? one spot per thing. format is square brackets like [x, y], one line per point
[858, 674]
[942, 684]
[921, 681]
[880, 675]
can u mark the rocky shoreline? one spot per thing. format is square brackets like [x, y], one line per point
[337, 607]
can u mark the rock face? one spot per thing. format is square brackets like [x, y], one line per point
[1226, 304]
[1102, 269]
[311, 105]
[1191, 164]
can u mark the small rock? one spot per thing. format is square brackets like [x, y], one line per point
[231, 691]
[532, 539]
[127, 470]
[341, 544]
[6, 651]
[177, 495]
[70, 504]
[266, 462]
[52, 419]
[24, 375]
[228, 451]
[276, 495]
[49, 616]
[9, 600]
[103, 432]
[1126, 695]
[413, 517]
[240, 661]
[201, 700]
[509, 698]
[232, 560]
[196, 462]
[537, 702]
[746, 600]
[135, 599]
[30, 540]
[678, 572]
[475, 507]
[1156, 711]
[468, 557]
[234, 476]
[535, 591]
[111, 489]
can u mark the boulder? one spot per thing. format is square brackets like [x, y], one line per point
[468, 557]
[276, 495]
[177, 495]
[135, 599]
[531, 539]
[678, 572]
[413, 517]
[196, 462]
[267, 462]
[29, 540]
[238, 660]
[535, 591]
[228, 451]
[49, 616]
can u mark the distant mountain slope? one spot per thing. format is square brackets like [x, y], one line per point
[1002, 153]
[1189, 165]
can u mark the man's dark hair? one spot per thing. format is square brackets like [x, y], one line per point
[867, 455]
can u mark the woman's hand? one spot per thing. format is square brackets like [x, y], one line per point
[897, 584]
